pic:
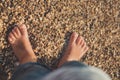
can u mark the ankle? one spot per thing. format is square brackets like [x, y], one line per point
[28, 59]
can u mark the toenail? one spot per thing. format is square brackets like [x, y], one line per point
[82, 38]
[10, 34]
[22, 25]
[13, 30]
[79, 37]
[10, 39]
[76, 35]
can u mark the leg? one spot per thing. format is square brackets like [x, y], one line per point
[75, 50]
[71, 69]
[22, 48]
[30, 71]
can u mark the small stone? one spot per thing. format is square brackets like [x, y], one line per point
[41, 18]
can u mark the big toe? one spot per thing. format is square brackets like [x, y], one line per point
[23, 29]
[73, 37]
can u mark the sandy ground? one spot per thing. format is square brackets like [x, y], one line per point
[50, 23]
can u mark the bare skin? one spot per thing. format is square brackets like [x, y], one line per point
[75, 50]
[22, 48]
[18, 38]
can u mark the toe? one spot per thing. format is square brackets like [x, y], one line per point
[17, 31]
[23, 29]
[78, 41]
[82, 42]
[85, 49]
[14, 33]
[11, 38]
[73, 37]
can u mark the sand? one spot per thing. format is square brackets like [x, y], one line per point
[50, 24]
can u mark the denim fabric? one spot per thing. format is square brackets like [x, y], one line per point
[77, 71]
[30, 71]
[73, 70]
[36, 71]
[74, 64]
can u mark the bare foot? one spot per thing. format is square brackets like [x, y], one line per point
[75, 50]
[18, 38]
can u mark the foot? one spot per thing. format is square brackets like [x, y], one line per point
[18, 38]
[75, 50]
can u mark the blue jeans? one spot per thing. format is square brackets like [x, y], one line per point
[72, 70]
[36, 71]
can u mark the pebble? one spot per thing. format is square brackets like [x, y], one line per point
[50, 32]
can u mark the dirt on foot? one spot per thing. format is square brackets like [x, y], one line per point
[50, 23]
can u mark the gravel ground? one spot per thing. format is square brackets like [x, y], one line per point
[50, 23]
